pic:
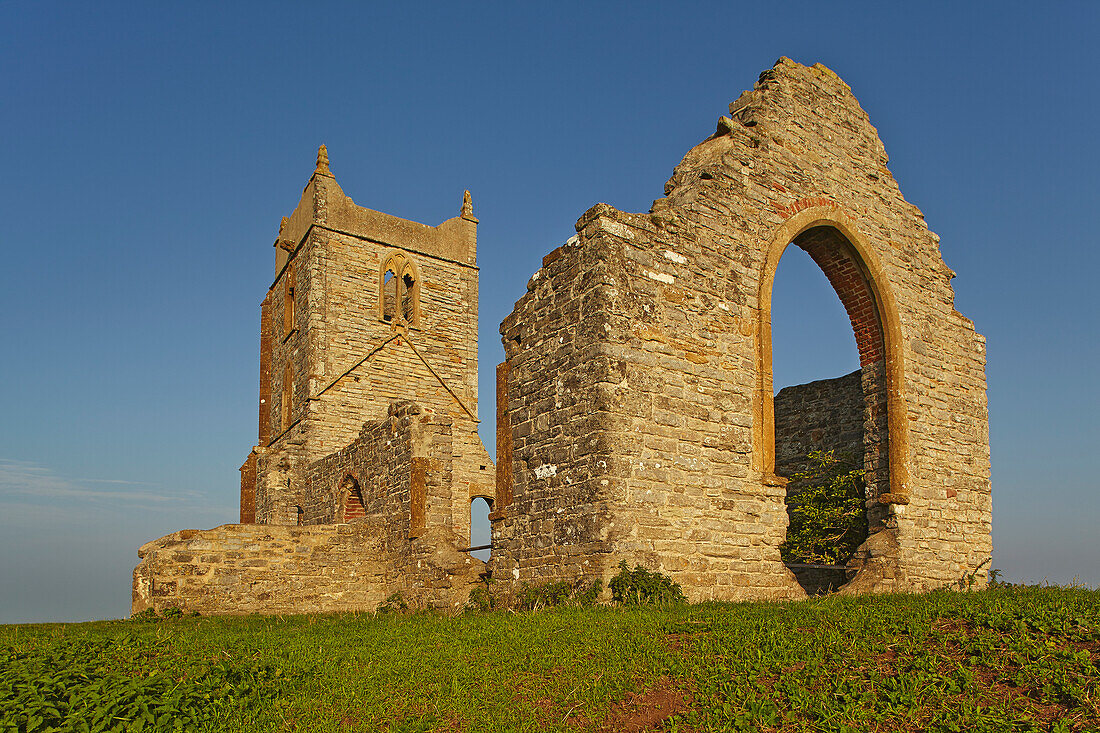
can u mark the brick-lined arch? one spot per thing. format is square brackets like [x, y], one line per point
[827, 234]
[352, 499]
[837, 259]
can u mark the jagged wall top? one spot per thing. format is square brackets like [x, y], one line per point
[789, 103]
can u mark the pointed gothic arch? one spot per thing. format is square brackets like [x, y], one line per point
[399, 291]
[351, 500]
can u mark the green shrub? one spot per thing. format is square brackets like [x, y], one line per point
[150, 615]
[545, 595]
[637, 586]
[393, 604]
[827, 513]
[589, 596]
[481, 600]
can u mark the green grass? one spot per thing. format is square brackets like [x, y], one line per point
[1006, 659]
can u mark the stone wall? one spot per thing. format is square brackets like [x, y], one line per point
[401, 539]
[555, 523]
[638, 372]
[824, 415]
[401, 470]
[251, 568]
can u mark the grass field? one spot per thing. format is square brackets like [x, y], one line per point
[1005, 659]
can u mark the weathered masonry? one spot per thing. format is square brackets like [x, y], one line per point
[638, 416]
[635, 412]
[368, 417]
[366, 309]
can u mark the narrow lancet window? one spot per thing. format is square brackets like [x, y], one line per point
[288, 396]
[408, 298]
[289, 314]
[389, 296]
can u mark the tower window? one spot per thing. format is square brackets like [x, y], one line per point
[289, 313]
[399, 291]
[389, 296]
[408, 297]
[288, 395]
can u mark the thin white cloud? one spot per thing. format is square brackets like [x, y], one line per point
[26, 481]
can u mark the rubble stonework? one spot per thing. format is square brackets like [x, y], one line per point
[367, 414]
[639, 380]
[824, 415]
[636, 420]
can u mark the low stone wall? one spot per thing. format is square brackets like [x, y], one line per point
[824, 415]
[249, 568]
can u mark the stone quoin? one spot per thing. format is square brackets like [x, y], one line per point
[635, 417]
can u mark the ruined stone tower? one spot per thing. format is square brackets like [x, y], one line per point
[366, 309]
[368, 454]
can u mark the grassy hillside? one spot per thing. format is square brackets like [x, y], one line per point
[1017, 659]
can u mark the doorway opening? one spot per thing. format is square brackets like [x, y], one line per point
[830, 413]
[480, 532]
[353, 499]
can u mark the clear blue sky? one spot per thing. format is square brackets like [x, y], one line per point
[149, 150]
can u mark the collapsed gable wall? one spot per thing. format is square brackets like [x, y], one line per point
[680, 377]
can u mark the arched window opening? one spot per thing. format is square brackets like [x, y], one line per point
[389, 296]
[301, 515]
[831, 436]
[409, 298]
[399, 291]
[286, 416]
[352, 499]
[480, 534]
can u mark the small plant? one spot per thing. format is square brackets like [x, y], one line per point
[638, 586]
[970, 579]
[147, 616]
[170, 613]
[589, 596]
[393, 604]
[558, 593]
[546, 595]
[481, 600]
[826, 508]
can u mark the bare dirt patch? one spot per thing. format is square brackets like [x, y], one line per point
[646, 710]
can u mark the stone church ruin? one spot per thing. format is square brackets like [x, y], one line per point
[636, 417]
